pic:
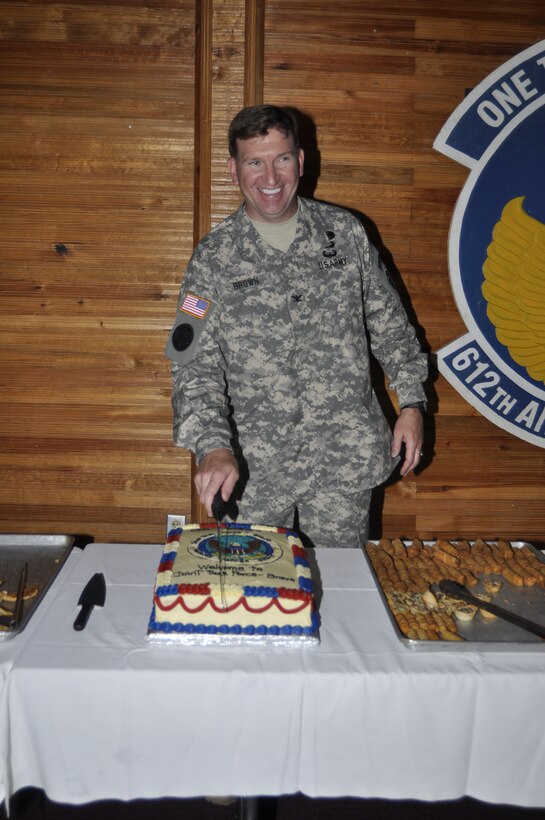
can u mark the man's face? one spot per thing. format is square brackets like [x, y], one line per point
[267, 171]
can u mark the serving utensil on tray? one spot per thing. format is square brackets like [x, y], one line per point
[12, 621]
[19, 602]
[458, 591]
[45, 555]
[93, 594]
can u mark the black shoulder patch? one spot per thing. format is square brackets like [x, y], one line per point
[182, 336]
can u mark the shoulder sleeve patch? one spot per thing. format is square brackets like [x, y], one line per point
[380, 267]
[195, 305]
[193, 314]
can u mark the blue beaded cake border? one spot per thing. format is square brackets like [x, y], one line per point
[210, 629]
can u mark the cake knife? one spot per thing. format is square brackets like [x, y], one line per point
[220, 509]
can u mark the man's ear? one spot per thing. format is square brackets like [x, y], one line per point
[301, 159]
[232, 166]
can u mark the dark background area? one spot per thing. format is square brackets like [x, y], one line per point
[31, 804]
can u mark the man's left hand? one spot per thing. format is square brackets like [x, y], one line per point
[409, 431]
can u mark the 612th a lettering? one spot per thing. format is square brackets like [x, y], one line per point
[499, 398]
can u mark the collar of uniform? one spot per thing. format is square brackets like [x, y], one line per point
[309, 237]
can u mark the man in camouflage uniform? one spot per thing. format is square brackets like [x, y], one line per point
[270, 350]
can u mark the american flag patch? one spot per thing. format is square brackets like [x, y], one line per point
[195, 305]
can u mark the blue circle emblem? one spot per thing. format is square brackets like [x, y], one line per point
[236, 547]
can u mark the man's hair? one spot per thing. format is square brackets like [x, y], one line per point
[258, 120]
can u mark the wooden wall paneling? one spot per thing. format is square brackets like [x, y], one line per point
[203, 119]
[233, 57]
[254, 54]
[97, 167]
[97, 213]
[379, 81]
[228, 72]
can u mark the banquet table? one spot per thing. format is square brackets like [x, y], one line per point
[103, 714]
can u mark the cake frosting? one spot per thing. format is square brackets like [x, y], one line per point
[254, 584]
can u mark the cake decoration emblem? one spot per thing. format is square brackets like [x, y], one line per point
[237, 548]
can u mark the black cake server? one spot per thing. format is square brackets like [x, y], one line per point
[94, 594]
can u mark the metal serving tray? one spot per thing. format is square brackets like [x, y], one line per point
[44, 554]
[481, 634]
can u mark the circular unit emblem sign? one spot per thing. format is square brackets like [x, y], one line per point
[497, 247]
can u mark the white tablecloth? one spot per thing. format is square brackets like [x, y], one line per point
[11, 647]
[102, 714]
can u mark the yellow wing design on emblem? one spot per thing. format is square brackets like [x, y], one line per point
[514, 286]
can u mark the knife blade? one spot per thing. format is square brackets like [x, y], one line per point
[93, 594]
[219, 508]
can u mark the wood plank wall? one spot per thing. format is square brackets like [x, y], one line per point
[379, 80]
[97, 104]
[97, 164]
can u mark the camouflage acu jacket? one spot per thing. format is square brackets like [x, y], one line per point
[279, 341]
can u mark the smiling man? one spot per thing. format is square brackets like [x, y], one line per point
[270, 350]
[267, 170]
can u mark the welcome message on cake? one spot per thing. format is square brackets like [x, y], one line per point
[238, 554]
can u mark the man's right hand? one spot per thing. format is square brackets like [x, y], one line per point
[218, 468]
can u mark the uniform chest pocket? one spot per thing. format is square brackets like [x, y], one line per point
[255, 330]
